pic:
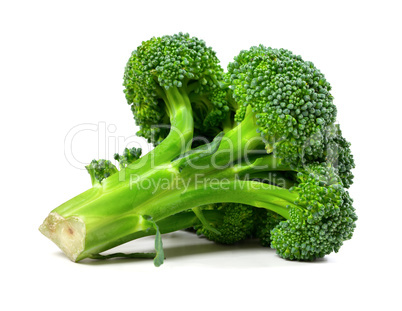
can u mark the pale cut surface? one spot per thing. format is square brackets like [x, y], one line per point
[67, 233]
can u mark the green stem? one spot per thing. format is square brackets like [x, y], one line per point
[237, 144]
[227, 123]
[274, 178]
[178, 141]
[212, 190]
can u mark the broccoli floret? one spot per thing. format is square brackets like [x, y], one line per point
[289, 97]
[169, 74]
[321, 219]
[236, 223]
[99, 170]
[129, 156]
[276, 169]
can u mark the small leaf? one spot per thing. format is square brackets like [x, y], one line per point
[160, 256]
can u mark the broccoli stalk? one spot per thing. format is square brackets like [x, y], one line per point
[178, 108]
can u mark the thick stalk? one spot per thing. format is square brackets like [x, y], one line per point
[125, 213]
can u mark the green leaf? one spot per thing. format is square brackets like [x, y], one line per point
[160, 256]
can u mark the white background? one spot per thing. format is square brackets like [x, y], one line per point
[61, 65]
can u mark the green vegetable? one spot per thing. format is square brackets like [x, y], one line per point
[254, 152]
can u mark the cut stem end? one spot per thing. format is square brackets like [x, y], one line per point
[67, 233]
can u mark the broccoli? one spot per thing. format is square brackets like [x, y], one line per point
[271, 163]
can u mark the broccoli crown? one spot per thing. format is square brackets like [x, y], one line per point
[321, 220]
[289, 97]
[177, 61]
[236, 224]
[128, 156]
[100, 169]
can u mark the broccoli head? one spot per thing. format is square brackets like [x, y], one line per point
[289, 97]
[320, 220]
[163, 75]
